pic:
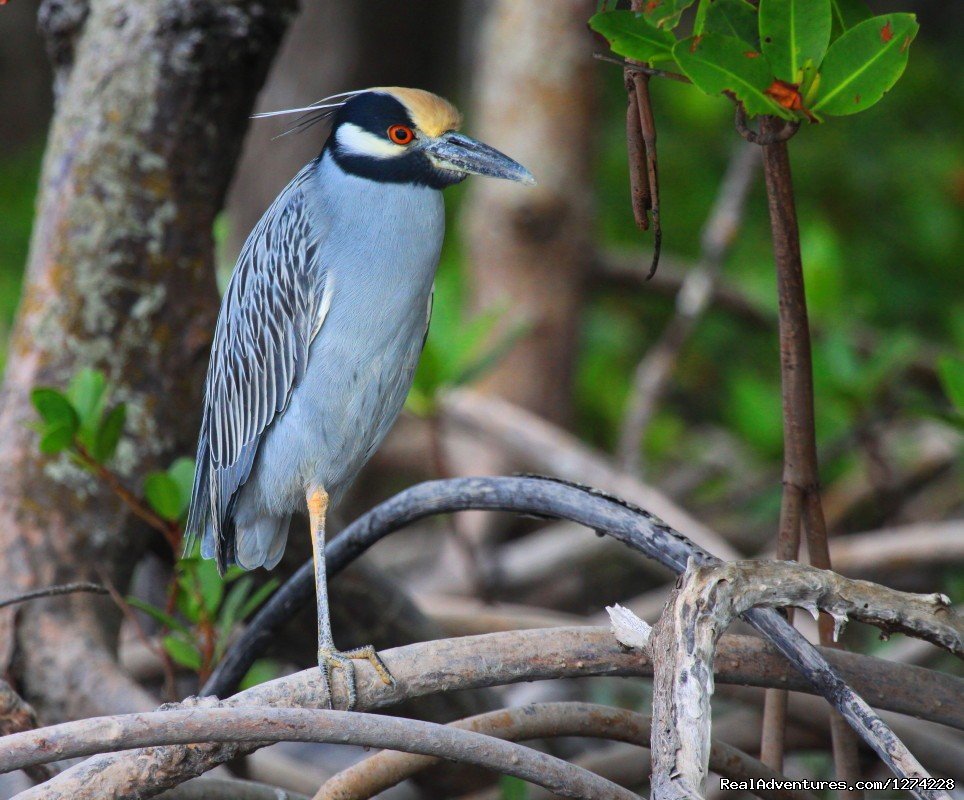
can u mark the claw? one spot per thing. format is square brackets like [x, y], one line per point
[330, 659]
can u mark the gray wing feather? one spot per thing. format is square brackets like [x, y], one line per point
[259, 355]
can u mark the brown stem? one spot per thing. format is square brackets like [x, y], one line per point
[648, 126]
[800, 473]
[169, 530]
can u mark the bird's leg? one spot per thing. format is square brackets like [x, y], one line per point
[329, 658]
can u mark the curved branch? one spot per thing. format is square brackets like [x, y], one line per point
[631, 525]
[705, 602]
[262, 725]
[473, 662]
[538, 721]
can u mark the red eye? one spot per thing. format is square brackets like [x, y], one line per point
[400, 134]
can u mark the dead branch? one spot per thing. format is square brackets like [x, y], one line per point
[707, 600]
[541, 445]
[550, 498]
[537, 721]
[473, 662]
[262, 725]
[655, 370]
[228, 789]
[54, 591]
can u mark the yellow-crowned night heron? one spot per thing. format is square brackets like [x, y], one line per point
[321, 327]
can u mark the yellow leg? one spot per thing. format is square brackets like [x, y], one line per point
[329, 658]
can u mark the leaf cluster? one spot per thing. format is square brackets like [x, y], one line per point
[204, 608]
[795, 59]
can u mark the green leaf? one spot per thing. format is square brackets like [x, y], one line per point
[159, 616]
[233, 601]
[54, 407]
[254, 602]
[717, 63]
[845, 14]
[182, 652]
[209, 584]
[631, 35]
[163, 495]
[665, 13]
[794, 35]
[86, 393]
[512, 788]
[56, 437]
[863, 64]
[262, 671]
[951, 372]
[109, 432]
[182, 473]
[735, 18]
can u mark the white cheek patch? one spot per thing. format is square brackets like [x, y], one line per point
[360, 142]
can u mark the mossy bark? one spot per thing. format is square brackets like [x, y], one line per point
[153, 97]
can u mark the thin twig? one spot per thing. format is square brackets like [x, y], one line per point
[473, 662]
[707, 599]
[169, 530]
[655, 370]
[167, 665]
[539, 721]
[644, 103]
[261, 725]
[645, 70]
[639, 195]
[54, 591]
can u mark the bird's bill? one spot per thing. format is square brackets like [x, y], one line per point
[455, 151]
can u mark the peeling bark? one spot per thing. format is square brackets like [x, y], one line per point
[152, 106]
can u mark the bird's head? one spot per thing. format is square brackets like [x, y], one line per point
[398, 135]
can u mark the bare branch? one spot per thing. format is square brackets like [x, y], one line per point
[708, 599]
[262, 725]
[473, 662]
[228, 789]
[540, 720]
[542, 445]
[53, 591]
[17, 715]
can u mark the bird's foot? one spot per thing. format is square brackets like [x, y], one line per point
[330, 659]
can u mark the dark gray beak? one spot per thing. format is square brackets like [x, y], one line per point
[460, 153]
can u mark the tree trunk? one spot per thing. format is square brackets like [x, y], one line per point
[530, 248]
[152, 102]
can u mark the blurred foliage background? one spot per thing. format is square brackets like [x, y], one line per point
[879, 195]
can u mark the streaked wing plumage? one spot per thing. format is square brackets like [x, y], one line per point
[267, 320]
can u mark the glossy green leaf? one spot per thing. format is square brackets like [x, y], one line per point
[163, 495]
[951, 372]
[863, 64]
[182, 652]
[159, 616]
[717, 64]
[845, 14]
[633, 36]
[86, 393]
[735, 18]
[53, 406]
[56, 437]
[109, 432]
[665, 13]
[794, 35]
